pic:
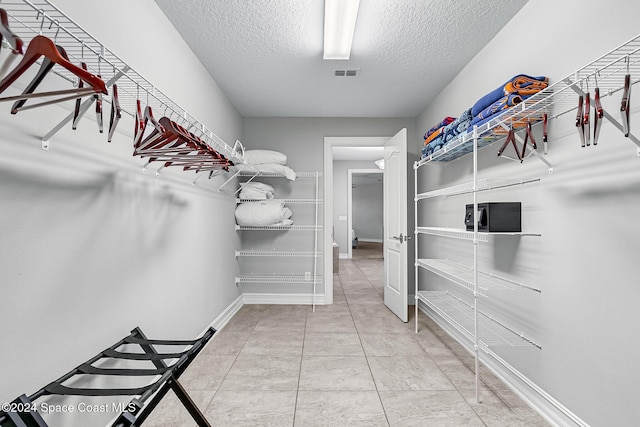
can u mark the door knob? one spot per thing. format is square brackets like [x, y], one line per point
[400, 238]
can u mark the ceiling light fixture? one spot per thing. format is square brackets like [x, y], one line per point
[339, 24]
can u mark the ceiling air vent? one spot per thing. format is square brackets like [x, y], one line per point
[346, 73]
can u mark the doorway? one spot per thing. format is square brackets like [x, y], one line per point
[395, 234]
[365, 213]
[354, 144]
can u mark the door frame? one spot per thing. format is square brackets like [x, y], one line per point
[329, 143]
[352, 172]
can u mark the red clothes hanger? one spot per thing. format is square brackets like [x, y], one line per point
[528, 136]
[580, 118]
[76, 110]
[597, 117]
[116, 112]
[42, 46]
[625, 107]
[545, 125]
[98, 98]
[585, 119]
[511, 138]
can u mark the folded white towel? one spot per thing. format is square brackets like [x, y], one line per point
[256, 191]
[262, 213]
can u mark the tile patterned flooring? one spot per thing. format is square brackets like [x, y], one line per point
[352, 363]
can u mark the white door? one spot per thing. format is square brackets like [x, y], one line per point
[395, 225]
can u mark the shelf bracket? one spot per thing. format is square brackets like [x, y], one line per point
[607, 115]
[531, 151]
[83, 109]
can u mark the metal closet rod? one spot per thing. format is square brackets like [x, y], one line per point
[42, 17]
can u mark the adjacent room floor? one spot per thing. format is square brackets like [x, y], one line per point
[353, 363]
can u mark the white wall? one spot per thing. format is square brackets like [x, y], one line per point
[341, 199]
[585, 262]
[302, 139]
[90, 246]
[367, 211]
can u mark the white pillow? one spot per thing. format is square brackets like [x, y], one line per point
[258, 157]
[269, 168]
[260, 186]
[259, 214]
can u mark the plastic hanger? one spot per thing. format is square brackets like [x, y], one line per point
[43, 46]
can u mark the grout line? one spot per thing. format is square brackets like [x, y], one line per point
[304, 336]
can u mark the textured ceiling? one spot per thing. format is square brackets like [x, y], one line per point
[266, 55]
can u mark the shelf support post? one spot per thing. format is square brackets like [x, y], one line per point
[475, 262]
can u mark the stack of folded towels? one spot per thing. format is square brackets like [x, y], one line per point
[446, 133]
[513, 92]
[258, 208]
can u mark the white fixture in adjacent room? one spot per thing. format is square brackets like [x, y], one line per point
[339, 24]
[379, 163]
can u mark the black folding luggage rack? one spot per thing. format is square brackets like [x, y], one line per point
[145, 399]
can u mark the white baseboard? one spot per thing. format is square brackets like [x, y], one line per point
[549, 408]
[343, 256]
[303, 299]
[222, 319]
[370, 240]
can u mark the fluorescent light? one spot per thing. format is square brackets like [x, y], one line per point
[339, 23]
[379, 163]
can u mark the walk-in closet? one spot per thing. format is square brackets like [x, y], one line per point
[319, 213]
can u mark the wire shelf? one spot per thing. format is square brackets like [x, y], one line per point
[462, 275]
[460, 314]
[455, 233]
[288, 201]
[606, 73]
[452, 233]
[293, 279]
[274, 253]
[485, 184]
[275, 175]
[280, 228]
[28, 18]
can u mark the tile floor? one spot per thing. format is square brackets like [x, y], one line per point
[349, 364]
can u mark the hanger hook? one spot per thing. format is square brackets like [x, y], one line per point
[627, 59]
[41, 12]
[55, 37]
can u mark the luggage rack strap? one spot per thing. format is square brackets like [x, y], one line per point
[62, 390]
[93, 370]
